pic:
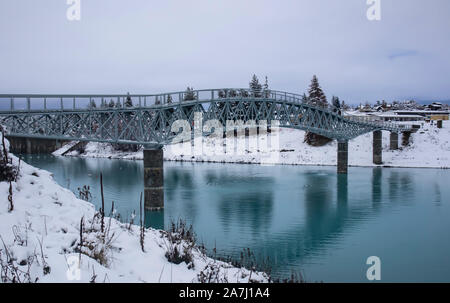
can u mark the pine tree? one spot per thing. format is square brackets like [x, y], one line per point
[92, 104]
[336, 102]
[316, 95]
[255, 87]
[316, 98]
[128, 101]
[189, 94]
[169, 99]
[111, 104]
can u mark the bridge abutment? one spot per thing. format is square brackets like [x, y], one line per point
[342, 157]
[22, 145]
[153, 179]
[377, 147]
[393, 141]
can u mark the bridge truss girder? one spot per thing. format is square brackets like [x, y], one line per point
[152, 125]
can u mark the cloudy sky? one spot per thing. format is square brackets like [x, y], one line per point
[151, 46]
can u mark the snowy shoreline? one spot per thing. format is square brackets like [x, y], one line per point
[428, 148]
[41, 236]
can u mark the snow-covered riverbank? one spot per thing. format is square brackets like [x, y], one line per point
[40, 240]
[429, 147]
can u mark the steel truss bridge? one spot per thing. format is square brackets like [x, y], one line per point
[147, 119]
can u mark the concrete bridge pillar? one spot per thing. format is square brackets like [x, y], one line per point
[377, 147]
[153, 179]
[342, 157]
[393, 141]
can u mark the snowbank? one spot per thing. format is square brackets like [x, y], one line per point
[41, 235]
[429, 147]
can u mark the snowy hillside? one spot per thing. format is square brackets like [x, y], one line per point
[429, 147]
[40, 241]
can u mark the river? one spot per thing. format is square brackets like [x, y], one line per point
[303, 219]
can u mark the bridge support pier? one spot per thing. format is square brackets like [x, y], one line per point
[153, 179]
[342, 157]
[377, 147]
[393, 141]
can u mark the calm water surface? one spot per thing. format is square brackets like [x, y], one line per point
[302, 218]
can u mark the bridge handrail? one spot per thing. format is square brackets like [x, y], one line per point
[181, 96]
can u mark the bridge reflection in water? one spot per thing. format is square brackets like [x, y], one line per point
[301, 218]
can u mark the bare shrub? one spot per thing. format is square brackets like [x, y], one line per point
[95, 243]
[181, 242]
[84, 193]
[8, 172]
[13, 270]
[212, 274]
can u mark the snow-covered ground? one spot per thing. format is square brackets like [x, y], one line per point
[429, 147]
[41, 234]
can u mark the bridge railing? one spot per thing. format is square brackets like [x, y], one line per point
[22, 102]
[28, 103]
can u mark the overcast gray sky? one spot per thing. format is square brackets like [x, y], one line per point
[151, 46]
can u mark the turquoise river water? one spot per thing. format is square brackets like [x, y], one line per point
[301, 218]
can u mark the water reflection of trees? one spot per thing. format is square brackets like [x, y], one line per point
[245, 201]
[180, 190]
[327, 219]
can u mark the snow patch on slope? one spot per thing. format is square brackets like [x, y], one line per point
[429, 147]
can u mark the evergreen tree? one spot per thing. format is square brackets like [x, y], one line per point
[255, 87]
[92, 104]
[336, 102]
[118, 104]
[316, 95]
[243, 93]
[128, 101]
[189, 94]
[169, 99]
[111, 104]
[317, 98]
